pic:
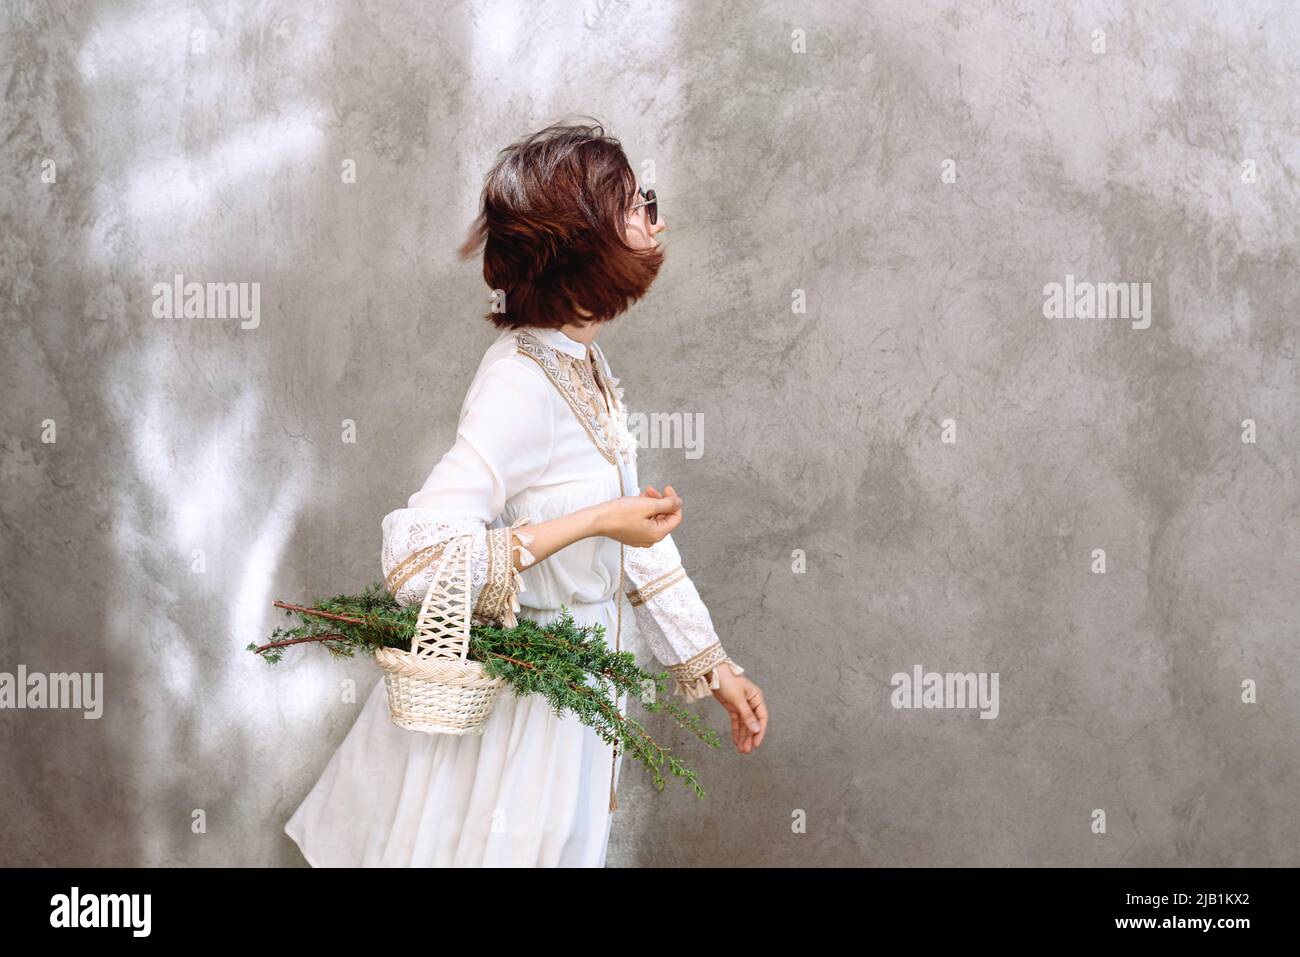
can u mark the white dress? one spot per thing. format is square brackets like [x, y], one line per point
[539, 437]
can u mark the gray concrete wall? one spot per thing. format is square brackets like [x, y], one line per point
[921, 172]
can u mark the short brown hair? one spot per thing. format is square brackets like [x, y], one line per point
[551, 225]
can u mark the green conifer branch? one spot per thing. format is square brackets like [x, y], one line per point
[569, 664]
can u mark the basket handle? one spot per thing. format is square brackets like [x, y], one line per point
[447, 598]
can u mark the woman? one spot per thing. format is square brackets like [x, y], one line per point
[543, 476]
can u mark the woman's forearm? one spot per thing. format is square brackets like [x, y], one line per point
[551, 536]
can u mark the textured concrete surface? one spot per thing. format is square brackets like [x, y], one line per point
[915, 178]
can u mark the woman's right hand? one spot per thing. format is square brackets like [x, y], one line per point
[640, 520]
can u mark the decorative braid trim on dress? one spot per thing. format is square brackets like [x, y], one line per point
[606, 427]
[639, 596]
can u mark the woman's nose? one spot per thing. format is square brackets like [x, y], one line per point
[659, 226]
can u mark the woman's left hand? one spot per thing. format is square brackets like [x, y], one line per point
[742, 699]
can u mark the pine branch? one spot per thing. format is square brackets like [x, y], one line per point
[559, 660]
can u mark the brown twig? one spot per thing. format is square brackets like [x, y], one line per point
[298, 641]
[320, 614]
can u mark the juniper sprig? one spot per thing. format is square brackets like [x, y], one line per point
[569, 664]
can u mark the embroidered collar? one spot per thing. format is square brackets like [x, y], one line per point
[556, 339]
[565, 364]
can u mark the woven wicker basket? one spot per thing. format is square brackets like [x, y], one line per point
[434, 688]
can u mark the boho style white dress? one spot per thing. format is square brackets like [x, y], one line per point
[539, 436]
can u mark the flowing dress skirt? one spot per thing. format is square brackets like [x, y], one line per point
[531, 791]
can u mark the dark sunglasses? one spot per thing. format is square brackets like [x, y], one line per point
[650, 203]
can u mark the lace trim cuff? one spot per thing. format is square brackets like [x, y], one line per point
[499, 599]
[693, 676]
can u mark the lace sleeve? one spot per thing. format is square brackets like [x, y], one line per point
[503, 446]
[674, 619]
[414, 539]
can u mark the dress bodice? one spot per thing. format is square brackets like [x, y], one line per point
[543, 433]
[593, 460]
